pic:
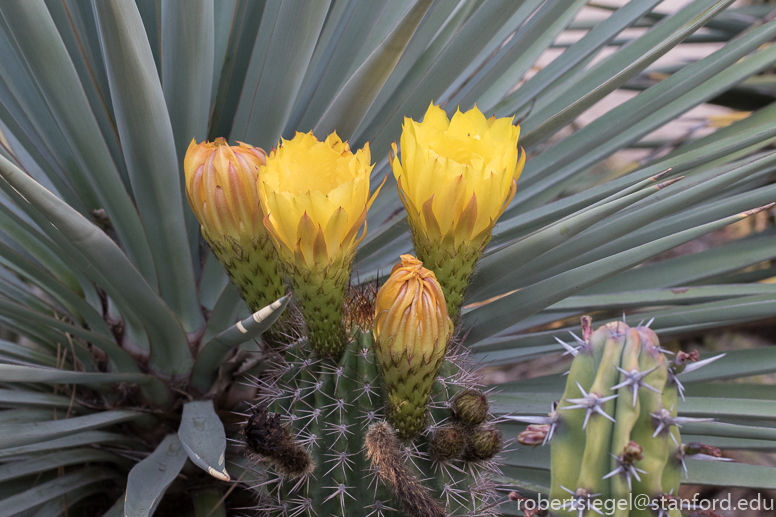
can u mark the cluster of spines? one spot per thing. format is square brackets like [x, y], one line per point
[616, 430]
[329, 407]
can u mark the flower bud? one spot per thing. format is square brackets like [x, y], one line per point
[412, 329]
[447, 443]
[483, 443]
[470, 407]
[221, 190]
[534, 434]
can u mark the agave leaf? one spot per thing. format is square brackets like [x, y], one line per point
[500, 266]
[345, 34]
[731, 443]
[737, 363]
[112, 271]
[13, 373]
[35, 129]
[434, 24]
[57, 507]
[435, 71]
[117, 510]
[73, 440]
[149, 479]
[730, 475]
[214, 351]
[730, 430]
[53, 489]
[518, 55]
[283, 48]
[646, 112]
[75, 23]
[17, 469]
[212, 283]
[14, 398]
[13, 435]
[598, 36]
[149, 150]
[22, 416]
[188, 46]
[680, 163]
[570, 99]
[226, 310]
[694, 268]
[351, 103]
[531, 479]
[55, 75]
[500, 314]
[243, 26]
[31, 353]
[43, 279]
[203, 437]
[725, 407]
[583, 249]
[652, 297]
[119, 357]
[703, 213]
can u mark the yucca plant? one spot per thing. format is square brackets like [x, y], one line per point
[129, 359]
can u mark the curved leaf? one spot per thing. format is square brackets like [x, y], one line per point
[149, 151]
[148, 480]
[202, 435]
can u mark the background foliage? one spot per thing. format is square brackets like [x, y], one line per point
[115, 315]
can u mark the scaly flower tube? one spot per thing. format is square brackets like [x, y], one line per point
[412, 329]
[456, 177]
[316, 197]
[221, 190]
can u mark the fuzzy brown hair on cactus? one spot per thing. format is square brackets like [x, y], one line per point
[383, 448]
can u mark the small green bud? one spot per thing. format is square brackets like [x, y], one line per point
[471, 407]
[483, 443]
[447, 443]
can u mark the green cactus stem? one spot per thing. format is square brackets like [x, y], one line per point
[329, 406]
[615, 433]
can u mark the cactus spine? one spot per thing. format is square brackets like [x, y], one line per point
[616, 433]
[328, 407]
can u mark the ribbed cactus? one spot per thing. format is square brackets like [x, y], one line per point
[615, 433]
[354, 462]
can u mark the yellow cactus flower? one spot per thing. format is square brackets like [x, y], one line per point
[456, 177]
[221, 187]
[221, 190]
[412, 329]
[316, 197]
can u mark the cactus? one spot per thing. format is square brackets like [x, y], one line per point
[615, 433]
[335, 411]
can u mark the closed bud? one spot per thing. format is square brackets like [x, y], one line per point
[632, 453]
[221, 190]
[533, 435]
[483, 443]
[411, 329]
[447, 443]
[470, 407]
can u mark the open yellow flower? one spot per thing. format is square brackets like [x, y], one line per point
[316, 197]
[221, 190]
[412, 330]
[456, 177]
